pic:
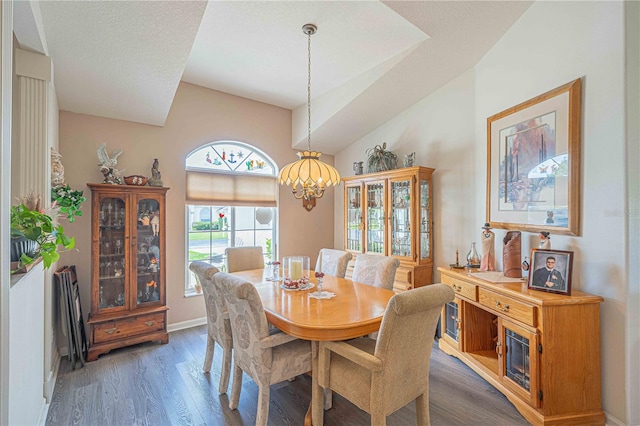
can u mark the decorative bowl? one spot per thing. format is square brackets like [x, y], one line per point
[136, 180]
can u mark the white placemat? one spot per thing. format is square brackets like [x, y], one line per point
[323, 295]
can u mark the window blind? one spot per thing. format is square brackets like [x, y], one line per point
[224, 189]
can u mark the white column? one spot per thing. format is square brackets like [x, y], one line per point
[31, 156]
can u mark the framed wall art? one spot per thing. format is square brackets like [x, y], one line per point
[533, 163]
[551, 271]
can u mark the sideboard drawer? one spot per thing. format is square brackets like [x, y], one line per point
[461, 288]
[127, 327]
[508, 307]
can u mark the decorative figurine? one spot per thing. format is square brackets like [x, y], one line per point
[156, 178]
[155, 223]
[511, 254]
[108, 164]
[357, 167]
[409, 159]
[545, 240]
[57, 169]
[488, 260]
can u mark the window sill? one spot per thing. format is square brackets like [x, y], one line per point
[192, 293]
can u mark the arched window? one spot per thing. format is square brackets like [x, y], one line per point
[231, 201]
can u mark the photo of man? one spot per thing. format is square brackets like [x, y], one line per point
[548, 276]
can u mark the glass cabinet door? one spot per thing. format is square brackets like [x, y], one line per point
[111, 253]
[147, 276]
[425, 220]
[354, 223]
[517, 360]
[375, 226]
[401, 218]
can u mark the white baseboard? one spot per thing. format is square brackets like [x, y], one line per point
[186, 324]
[44, 410]
[50, 380]
[609, 420]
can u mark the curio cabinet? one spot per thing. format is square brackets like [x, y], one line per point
[390, 213]
[128, 300]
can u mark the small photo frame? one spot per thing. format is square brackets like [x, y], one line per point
[551, 271]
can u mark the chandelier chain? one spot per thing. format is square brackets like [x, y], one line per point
[309, 90]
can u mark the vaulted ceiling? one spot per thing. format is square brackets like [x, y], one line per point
[370, 59]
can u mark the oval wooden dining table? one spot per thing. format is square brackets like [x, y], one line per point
[356, 310]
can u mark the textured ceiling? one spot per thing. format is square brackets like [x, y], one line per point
[370, 59]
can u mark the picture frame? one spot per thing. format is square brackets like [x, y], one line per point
[551, 271]
[533, 163]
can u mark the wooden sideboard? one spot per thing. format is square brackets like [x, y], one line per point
[541, 350]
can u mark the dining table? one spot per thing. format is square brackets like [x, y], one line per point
[356, 310]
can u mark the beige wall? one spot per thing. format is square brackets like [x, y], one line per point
[447, 130]
[197, 116]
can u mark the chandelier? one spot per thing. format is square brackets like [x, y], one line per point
[308, 177]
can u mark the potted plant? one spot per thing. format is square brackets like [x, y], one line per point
[34, 229]
[68, 201]
[379, 159]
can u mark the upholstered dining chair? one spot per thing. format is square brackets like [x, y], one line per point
[244, 258]
[218, 325]
[383, 376]
[375, 270]
[334, 262]
[267, 358]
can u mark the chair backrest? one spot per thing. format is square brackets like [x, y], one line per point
[375, 270]
[244, 258]
[218, 324]
[248, 322]
[334, 262]
[406, 338]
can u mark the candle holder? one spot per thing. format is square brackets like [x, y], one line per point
[275, 271]
[319, 294]
[295, 271]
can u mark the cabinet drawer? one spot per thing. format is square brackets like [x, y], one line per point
[404, 275]
[462, 288]
[127, 327]
[508, 307]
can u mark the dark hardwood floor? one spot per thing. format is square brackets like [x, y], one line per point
[153, 384]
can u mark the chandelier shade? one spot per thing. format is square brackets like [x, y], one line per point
[308, 177]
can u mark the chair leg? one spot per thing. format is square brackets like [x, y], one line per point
[208, 358]
[263, 405]
[422, 410]
[236, 388]
[328, 398]
[226, 371]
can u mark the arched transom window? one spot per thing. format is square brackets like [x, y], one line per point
[231, 201]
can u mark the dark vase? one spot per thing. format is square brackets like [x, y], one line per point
[20, 245]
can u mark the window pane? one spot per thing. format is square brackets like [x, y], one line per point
[211, 229]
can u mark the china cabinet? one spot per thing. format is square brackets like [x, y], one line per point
[390, 213]
[541, 350]
[127, 267]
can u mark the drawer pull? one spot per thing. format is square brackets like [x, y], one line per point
[111, 330]
[456, 288]
[149, 323]
[503, 308]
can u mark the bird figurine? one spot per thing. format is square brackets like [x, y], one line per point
[108, 164]
[105, 159]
